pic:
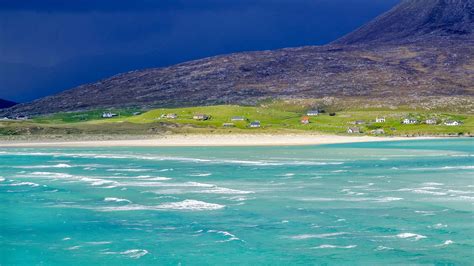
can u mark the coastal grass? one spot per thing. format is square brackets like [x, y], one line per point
[275, 117]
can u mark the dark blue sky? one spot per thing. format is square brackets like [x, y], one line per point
[47, 46]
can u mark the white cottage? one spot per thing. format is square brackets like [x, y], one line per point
[452, 123]
[409, 121]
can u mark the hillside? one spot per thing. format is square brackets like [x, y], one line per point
[418, 20]
[6, 104]
[421, 48]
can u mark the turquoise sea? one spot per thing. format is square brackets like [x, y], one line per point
[408, 202]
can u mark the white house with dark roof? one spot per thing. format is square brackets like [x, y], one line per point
[312, 113]
[409, 121]
[108, 115]
[237, 118]
[255, 124]
[452, 123]
[201, 117]
[431, 121]
[380, 120]
[353, 130]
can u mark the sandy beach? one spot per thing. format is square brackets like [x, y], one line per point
[206, 140]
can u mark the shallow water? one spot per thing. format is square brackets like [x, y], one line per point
[366, 203]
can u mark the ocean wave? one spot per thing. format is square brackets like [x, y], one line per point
[460, 167]
[381, 248]
[438, 226]
[295, 161]
[2, 179]
[201, 174]
[31, 184]
[223, 190]
[73, 248]
[446, 243]
[131, 253]
[310, 236]
[116, 200]
[94, 181]
[97, 243]
[423, 191]
[191, 205]
[433, 184]
[353, 199]
[413, 236]
[194, 205]
[128, 170]
[333, 246]
[59, 165]
[231, 237]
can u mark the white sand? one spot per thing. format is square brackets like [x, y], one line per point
[208, 140]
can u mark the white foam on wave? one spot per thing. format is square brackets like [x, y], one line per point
[131, 253]
[310, 236]
[59, 165]
[94, 181]
[381, 248]
[191, 205]
[333, 246]
[425, 190]
[31, 184]
[446, 243]
[352, 199]
[2, 179]
[201, 174]
[73, 248]
[110, 199]
[127, 170]
[433, 184]
[438, 226]
[223, 190]
[97, 243]
[151, 157]
[413, 236]
[231, 237]
[460, 167]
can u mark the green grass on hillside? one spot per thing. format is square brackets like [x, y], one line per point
[274, 117]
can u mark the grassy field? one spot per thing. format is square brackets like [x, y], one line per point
[275, 117]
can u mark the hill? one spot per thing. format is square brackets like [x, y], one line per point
[6, 104]
[421, 48]
[417, 21]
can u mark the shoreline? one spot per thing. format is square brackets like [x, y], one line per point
[209, 140]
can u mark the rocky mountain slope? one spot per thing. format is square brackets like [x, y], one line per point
[418, 20]
[421, 48]
[6, 104]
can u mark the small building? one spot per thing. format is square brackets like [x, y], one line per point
[255, 124]
[378, 131]
[431, 121]
[228, 125]
[452, 123]
[359, 122]
[201, 117]
[380, 120]
[137, 113]
[353, 130]
[312, 113]
[237, 118]
[169, 116]
[22, 117]
[409, 121]
[108, 115]
[305, 120]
